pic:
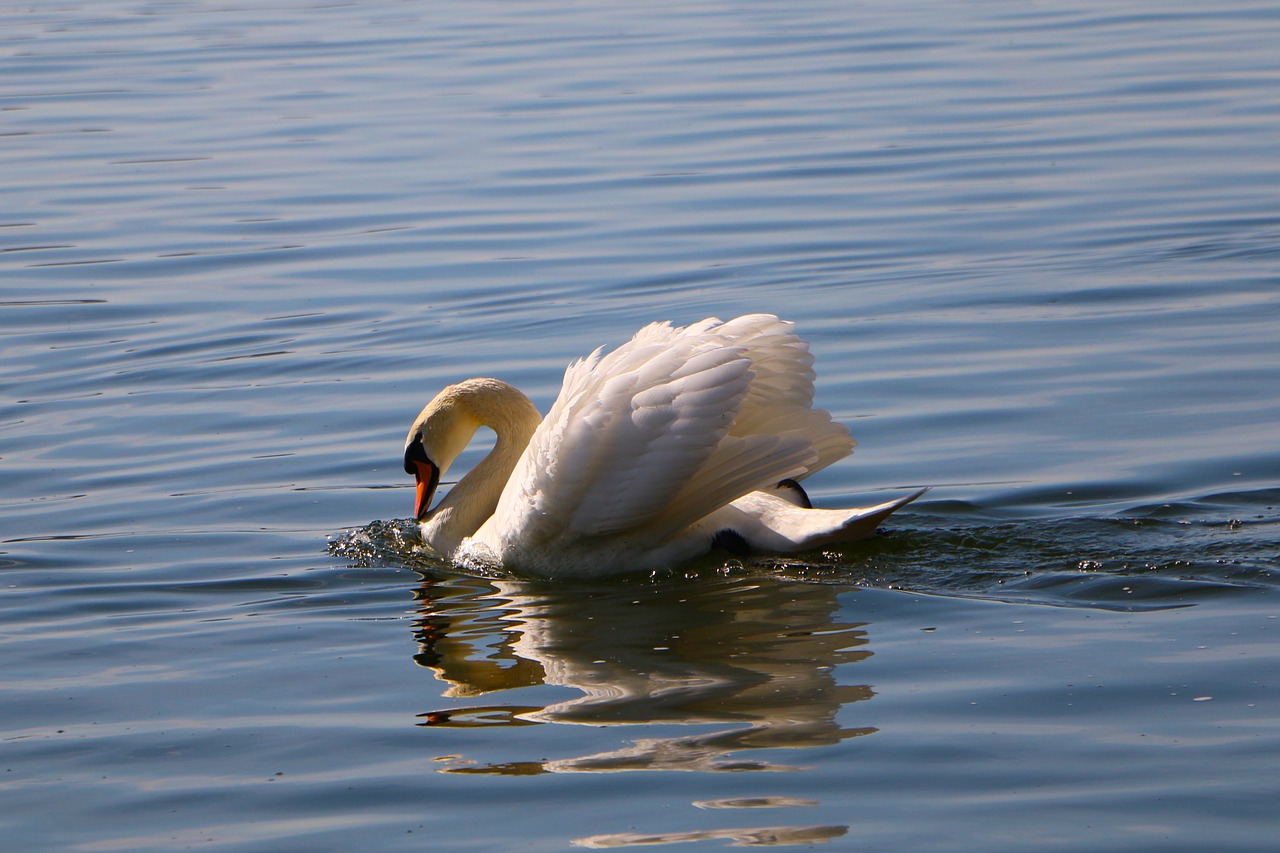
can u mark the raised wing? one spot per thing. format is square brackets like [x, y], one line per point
[668, 428]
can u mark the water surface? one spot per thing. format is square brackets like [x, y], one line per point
[1035, 251]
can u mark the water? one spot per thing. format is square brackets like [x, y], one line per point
[1035, 250]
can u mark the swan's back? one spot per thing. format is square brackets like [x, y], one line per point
[666, 429]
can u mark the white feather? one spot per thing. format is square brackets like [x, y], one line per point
[648, 448]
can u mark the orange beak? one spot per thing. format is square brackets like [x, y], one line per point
[427, 476]
[425, 473]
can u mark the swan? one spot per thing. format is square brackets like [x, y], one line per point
[680, 441]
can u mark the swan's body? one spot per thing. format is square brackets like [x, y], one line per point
[678, 441]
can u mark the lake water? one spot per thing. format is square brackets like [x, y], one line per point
[1035, 246]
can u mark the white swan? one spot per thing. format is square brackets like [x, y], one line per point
[679, 441]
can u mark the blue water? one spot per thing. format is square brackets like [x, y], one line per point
[1034, 248]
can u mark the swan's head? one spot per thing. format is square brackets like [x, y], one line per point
[441, 432]
[447, 424]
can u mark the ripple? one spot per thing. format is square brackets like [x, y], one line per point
[1034, 247]
[1188, 554]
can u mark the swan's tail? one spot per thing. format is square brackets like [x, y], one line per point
[774, 522]
[861, 523]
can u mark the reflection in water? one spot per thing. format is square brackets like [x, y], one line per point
[763, 836]
[759, 654]
[752, 662]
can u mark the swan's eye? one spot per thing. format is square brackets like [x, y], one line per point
[414, 453]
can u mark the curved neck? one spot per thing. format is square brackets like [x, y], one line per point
[513, 419]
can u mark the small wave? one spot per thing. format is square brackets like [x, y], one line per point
[1152, 557]
[1164, 556]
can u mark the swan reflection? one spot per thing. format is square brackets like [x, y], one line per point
[750, 662]
[764, 836]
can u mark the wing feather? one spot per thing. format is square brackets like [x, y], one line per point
[667, 428]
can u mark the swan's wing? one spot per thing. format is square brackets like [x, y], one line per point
[667, 428]
[626, 433]
[780, 401]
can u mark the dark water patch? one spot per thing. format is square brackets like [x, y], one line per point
[1139, 562]
[1254, 506]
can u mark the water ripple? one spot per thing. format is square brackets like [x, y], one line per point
[1147, 558]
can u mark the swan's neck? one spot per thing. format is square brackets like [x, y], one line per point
[513, 419]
